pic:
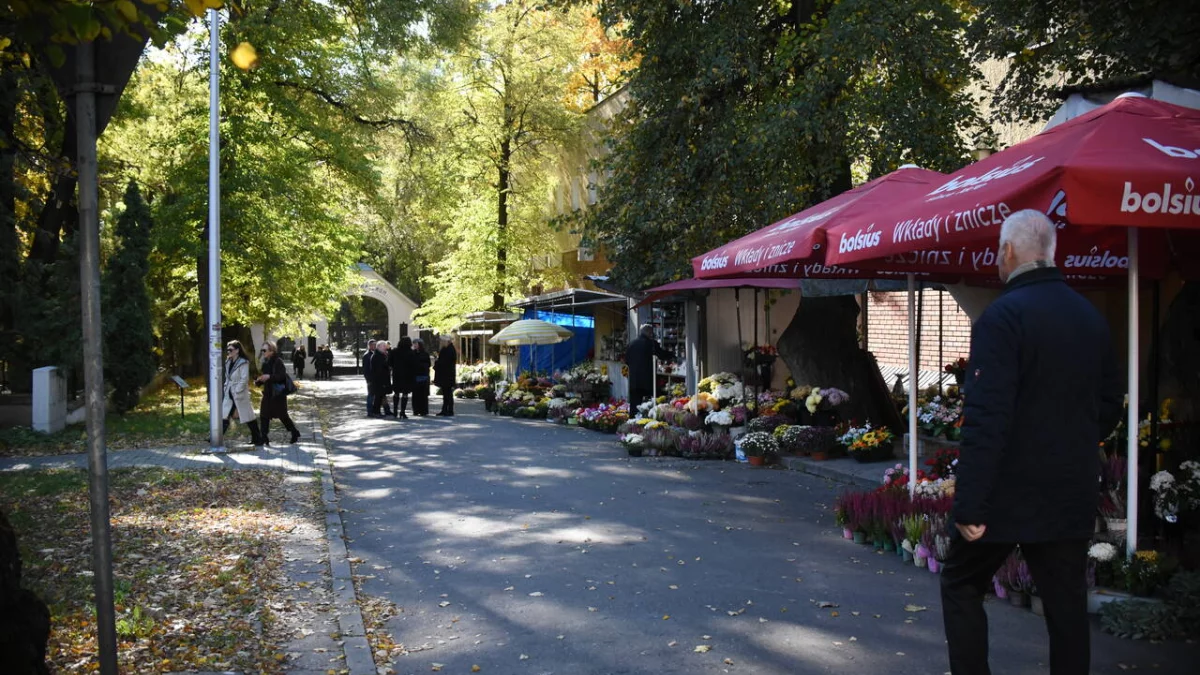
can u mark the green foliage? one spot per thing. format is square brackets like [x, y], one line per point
[1046, 45]
[1140, 620]
[744, 112]
[128, 336]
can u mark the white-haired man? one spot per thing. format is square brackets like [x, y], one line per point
[1042, 390]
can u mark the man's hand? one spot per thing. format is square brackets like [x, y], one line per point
[971, 532]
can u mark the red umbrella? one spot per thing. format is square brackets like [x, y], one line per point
[1130, 163]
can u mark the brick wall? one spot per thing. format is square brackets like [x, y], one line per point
[887, 329]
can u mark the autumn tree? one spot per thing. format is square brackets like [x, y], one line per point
[744, 112]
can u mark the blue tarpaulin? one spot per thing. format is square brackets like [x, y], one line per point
[564, 354]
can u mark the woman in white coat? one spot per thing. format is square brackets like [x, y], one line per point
[237, 390]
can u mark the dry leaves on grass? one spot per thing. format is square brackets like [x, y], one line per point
[197, 562]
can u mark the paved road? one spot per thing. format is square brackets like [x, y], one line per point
[523, 547]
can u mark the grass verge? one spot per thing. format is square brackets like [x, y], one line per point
[196, 566]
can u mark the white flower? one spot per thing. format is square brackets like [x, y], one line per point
[1163, 480]
[814, 400]
[632, 439]
[558, 403]
[1102, 552]
[719, 417]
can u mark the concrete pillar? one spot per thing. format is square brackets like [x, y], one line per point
[49, 400]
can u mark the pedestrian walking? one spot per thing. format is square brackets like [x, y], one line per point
[639, 357]
[327, 362]
[445, 375]
[299, 356]
[1042, 391]
[421, 364]
[237, 392]
[402, 375]
[274, 381]
[366, 371]
[380, 380]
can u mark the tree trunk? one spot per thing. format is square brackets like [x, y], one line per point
[502, 225]
[820, 348]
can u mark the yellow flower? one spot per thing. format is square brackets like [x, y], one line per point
[1147, 556]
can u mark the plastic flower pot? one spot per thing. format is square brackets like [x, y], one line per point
[756, 460]
[847, 533]
[888, 546]
[1035, 605]
[860, 537]
[634, 452]
[820, 455]
[935, 566]
[920, 561]
[1018, 598]
[908, 556]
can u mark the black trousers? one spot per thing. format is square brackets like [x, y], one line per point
[447, 401]
[420, 399]
[1059, 570]
[638, 396]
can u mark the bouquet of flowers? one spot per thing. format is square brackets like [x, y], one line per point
[1172, 495]
[957, 368]
[719, 418]
[605, 417]
[760, 355]
[868, 444]
[943, 463]
[725, 386]
[941, 416]
[825, 399]
[1102, 564]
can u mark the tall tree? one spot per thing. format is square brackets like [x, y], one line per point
[129, 362]
[744, 112]
[504, 100]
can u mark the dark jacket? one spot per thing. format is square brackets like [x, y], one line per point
[366, 364]
[379, 374]
[639, 356]
[298, 357]
[1042, 390]
[273, 405]
[421, 363]
[445, 370]
[402, 370]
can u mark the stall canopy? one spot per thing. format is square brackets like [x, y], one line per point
[1130, 163]
[574, 308]
[688, 285]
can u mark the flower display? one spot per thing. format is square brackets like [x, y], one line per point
[807, 440]
[586, 372]
[725, 386]
[1175, 495]
[759, 444]
[825, 399]
[868, 443]
[722, 418]
[1102, 552]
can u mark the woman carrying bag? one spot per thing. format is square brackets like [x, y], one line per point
[274, 382]
[237, 391]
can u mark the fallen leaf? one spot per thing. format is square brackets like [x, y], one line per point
[728, 662]
[443, 604]
[536, 594]
[475, 669]
[825, 604]
[833, 613]
[672, 643]
[666, 616]
[914, 608]
[702, 649]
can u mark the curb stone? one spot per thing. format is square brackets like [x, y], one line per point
[359, 660]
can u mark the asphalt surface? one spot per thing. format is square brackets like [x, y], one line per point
[523, 547]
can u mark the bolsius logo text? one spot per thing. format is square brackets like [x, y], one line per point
[1173, 151]
[859, 240]
[714, 262]
[1169, 200]
[1098, 260]
[960, 184]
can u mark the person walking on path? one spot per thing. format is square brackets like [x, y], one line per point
[639, 356]
[380, 380]
[299, 356]
[445, 375]
[402, 375]
[237, 391]
[366, 370]
[274, 399]
[1042, 391]
[421, 363]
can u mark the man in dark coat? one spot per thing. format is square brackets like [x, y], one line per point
[379, 380]
[639, 356]
[366, 370]
[1042, 390]
[401, 359]
[445, 375]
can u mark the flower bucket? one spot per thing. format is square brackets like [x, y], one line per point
[908, 556]
[888, 546]
[1018, 599]
[820, 455]
[1036, 606]
[634, 452]
[934, 565]
[847, 533]
[920, 561]
[860, 537]
[758, 460]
